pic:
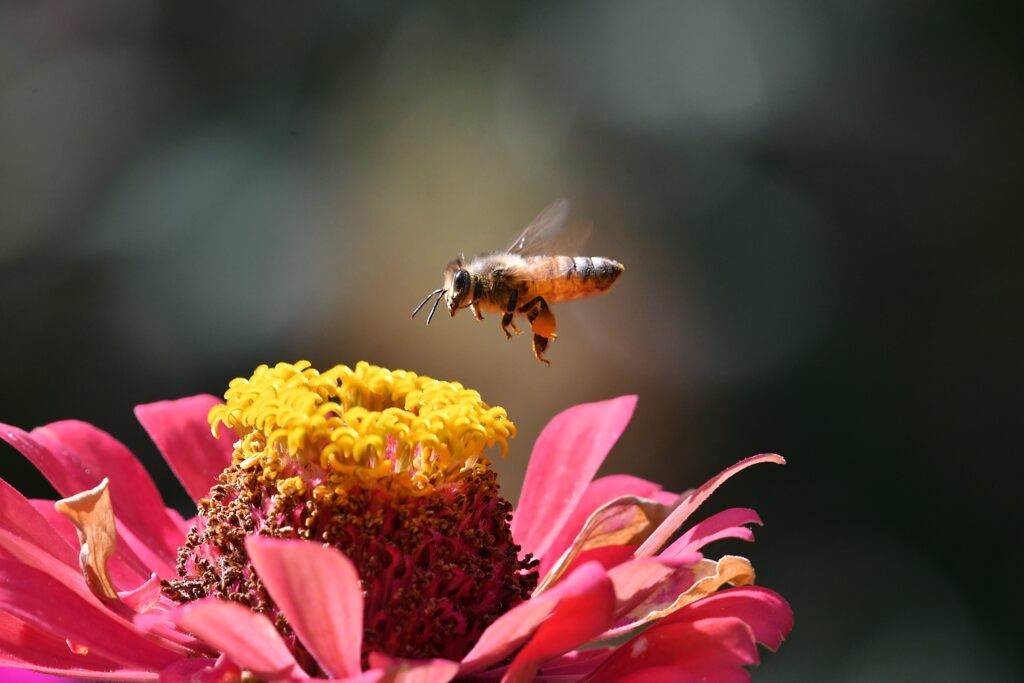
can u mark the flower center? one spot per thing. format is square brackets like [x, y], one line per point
[389, 468]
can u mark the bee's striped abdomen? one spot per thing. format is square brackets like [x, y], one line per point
[597, 272]
[572, 277]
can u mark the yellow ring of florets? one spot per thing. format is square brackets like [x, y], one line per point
[369, 423]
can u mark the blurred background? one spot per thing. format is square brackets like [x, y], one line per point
[818, 204]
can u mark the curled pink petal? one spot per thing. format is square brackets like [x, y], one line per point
[182, 433]
[635, 580]
[39, 600]
[318, 590]
[597, 493]
[688, 585]
[709, 649]
[247, 638]
[565, 458]
[623, 521]
[581, 615]
[766, 612]
[679, 516]
[144, 596]
[725, 524]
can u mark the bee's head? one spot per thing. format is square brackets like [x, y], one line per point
[457, 286]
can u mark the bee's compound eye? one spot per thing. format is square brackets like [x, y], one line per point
[461, 281]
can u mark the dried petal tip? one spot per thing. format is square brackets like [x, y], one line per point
[91, 513]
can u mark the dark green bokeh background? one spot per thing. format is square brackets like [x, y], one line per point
[818, 204]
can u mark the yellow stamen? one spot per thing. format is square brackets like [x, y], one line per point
[367, 423]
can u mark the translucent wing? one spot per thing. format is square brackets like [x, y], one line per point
[548, 233]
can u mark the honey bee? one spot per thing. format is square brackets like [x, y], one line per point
[525, 279]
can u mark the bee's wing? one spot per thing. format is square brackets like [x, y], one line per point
[548, 233]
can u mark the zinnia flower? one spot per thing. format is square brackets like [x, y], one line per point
[354, 531]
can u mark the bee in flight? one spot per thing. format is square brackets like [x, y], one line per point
[525, 279]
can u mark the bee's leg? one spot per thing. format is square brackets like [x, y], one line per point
[542, 320]
[539, 345]
[475, 307]
[510, 309]
[506, 323]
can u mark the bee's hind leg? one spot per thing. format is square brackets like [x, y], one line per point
[539, 345]
[542, 322]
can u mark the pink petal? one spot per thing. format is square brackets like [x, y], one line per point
[576, 663]
[661, 674]
[18, 516]
[157, 624]
[143, 597]
[725, 524]
[184, 525]
[679, 516]
[75, 456]
[688, 585]
[623, 521]
[47, 605]
[247, 638]
[318, 590]
[26, 647]
[635, 580]
[607, 556]
[413, 671]
[182, 433]
[22, 676]
[371, 676]
[766, 612]
[581, 615]
[153, 559]
[597, 493]
[513, 628]
[509, 631]
[709, 649]
[200, 670]
[31, 557]
[565, 458]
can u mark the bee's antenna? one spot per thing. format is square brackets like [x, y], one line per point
[434, 307]
[424, 302]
